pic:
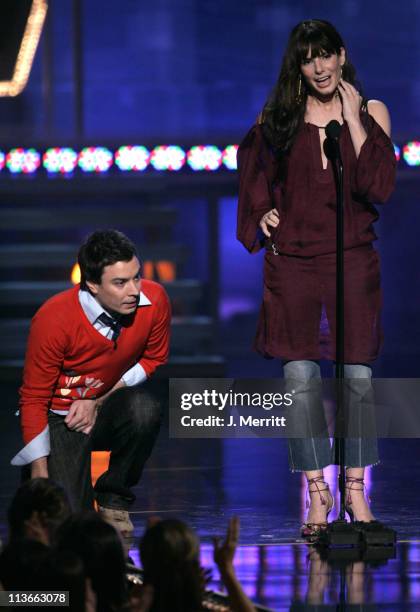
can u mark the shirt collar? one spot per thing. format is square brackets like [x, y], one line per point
[144, 300]
[93, 309]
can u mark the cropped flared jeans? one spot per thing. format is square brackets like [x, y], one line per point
[315, 453]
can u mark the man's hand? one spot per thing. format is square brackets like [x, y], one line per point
[82, 415]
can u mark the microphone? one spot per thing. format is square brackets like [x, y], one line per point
[332, 132]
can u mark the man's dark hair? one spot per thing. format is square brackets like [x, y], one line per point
[103, 248]
[40, 495]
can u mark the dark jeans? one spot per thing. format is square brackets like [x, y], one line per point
[127, 425]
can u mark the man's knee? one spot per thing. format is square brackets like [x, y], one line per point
[144, 409]
[139, 407]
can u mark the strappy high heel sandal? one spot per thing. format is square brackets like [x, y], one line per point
[311, 530]
[354, 484]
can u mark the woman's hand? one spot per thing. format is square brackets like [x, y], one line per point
[351, 101]
[223, 557]
[224, 553]
[270, 219]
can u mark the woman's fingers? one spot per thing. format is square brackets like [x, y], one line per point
[216, 543]
[272, 215]
[349, 89]
[233, 530]
[265, 229]
[270, 219]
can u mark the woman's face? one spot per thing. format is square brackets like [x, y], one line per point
[322, 73]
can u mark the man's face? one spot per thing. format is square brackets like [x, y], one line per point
[119, 289]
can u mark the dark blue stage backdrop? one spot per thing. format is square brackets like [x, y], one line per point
[199, 71]
[181, 69]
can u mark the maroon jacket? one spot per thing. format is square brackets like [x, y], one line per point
[306, 200]
[297, 316]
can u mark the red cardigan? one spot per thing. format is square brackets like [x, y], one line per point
[68, 359]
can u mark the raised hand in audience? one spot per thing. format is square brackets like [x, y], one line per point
[224, 554]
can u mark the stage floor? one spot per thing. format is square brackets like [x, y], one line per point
[204, 482]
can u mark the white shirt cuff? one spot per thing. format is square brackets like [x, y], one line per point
[134, 376]
[36, 448]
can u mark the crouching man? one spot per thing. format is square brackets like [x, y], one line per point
[91, 350]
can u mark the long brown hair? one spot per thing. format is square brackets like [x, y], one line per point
[169, 552]
[285, 109]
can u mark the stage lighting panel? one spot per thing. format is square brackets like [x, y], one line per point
[95, 159]
[132, 158]
[411, 153]
[204, 157]
[138, 158]
[229, 157]
[25, 161]
[61, 160]
[168, 157]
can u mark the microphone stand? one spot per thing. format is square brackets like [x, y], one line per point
[340, 532]
[339, 334]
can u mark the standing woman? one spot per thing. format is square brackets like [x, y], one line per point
[287, 203]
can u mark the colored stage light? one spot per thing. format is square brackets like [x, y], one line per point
[411, 153]
[132, 158]
[23, 160]
[75, 274]
[27, 48]
[229, 157]
[204, 157]
[95, 159]
[63, 160]
[168, 157]
[137, 158]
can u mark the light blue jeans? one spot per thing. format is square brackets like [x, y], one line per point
[314, 453]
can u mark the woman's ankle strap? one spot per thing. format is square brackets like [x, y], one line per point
[353, 480]
[316, 481]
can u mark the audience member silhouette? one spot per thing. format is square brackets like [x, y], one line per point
[169, 552]
[38, 508]
[100, 548]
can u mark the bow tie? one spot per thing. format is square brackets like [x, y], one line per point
[112, 323]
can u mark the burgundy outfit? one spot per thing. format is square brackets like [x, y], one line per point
[298, 309]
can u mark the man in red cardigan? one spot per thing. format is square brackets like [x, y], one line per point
[90, 350]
